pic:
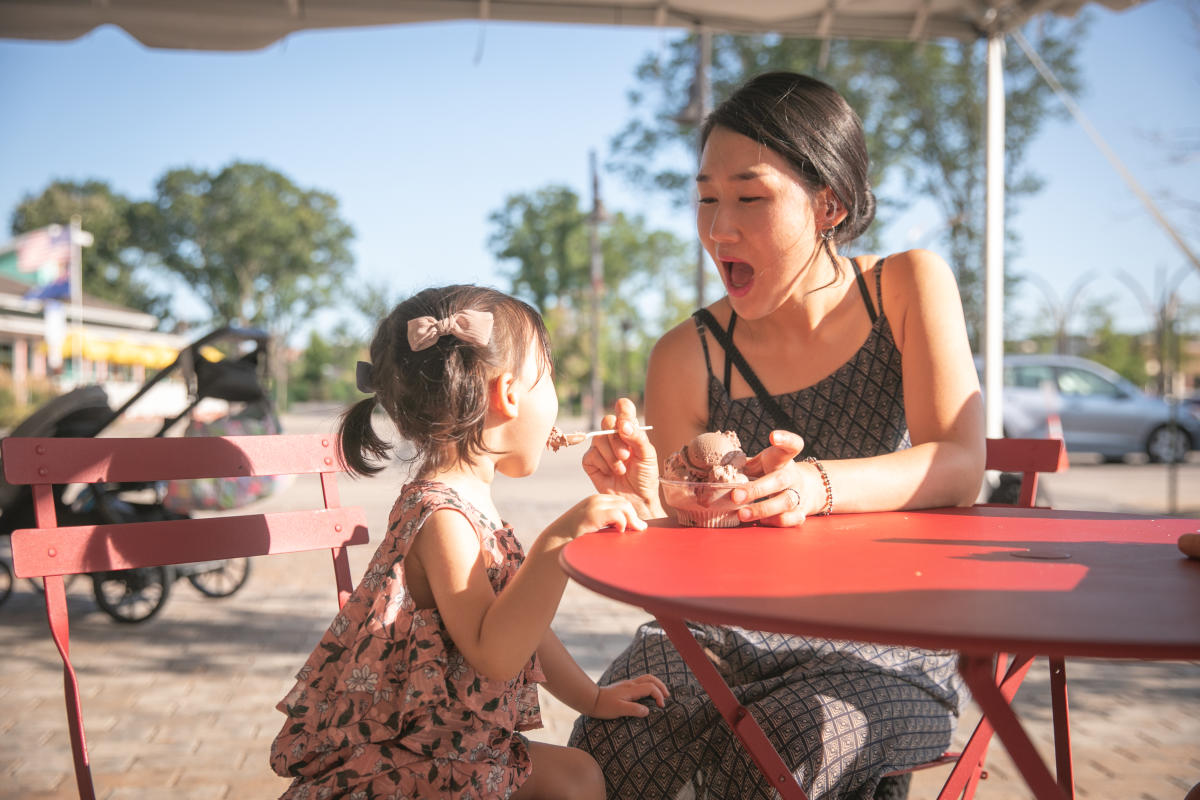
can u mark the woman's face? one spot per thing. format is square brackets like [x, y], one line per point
[755, 219]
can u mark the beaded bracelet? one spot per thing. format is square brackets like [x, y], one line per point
[826, 509]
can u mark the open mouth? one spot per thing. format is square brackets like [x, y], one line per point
[738, 276]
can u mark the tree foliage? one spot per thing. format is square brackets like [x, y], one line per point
[542, 237]
[922, 106]
[113, 267]
[255, 247]
[325, 370]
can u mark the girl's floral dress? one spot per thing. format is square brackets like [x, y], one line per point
[386, 706]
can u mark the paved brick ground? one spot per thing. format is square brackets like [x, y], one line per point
[182, 706]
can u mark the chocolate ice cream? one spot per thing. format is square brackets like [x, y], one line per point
[698, 478]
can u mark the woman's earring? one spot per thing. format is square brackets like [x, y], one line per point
[827, 234]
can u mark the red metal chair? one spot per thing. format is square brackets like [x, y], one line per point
[1029, 457]
[50, 551]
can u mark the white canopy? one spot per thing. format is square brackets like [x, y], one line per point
[253, 24]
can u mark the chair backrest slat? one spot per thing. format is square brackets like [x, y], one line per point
[39, 461]
[100, 548]
[1028, 457]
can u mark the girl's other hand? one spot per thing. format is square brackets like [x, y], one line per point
[618, 699]
[594, 513]
[625, 464]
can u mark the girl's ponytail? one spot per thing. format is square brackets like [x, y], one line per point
[359, 439]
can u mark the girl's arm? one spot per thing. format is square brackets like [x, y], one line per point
[497, 633]
[567, 681]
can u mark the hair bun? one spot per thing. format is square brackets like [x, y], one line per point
[858, 219]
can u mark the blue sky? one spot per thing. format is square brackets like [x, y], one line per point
[419, 140]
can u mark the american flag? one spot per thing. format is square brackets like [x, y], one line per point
[50, 245]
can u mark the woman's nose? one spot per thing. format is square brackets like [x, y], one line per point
[720, 228]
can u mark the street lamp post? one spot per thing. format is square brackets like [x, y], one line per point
[595, 218]
[1162, 316]
[694, 113]
[1162, 319]
[1060, 312]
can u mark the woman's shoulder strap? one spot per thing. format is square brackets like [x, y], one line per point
[879, 280]
[703, 319]
[734, 358]
[864, 291]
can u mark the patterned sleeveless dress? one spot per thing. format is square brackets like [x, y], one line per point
[842, 714]
[386, 706]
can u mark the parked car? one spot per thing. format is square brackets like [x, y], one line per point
[1100, 411]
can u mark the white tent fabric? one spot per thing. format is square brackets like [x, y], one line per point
[253, 24]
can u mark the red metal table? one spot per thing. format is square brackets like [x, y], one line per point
[982, 581]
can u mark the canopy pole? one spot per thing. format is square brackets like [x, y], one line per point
[704, 107]
[993, 341]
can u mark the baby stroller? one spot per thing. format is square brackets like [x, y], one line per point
[136, 595]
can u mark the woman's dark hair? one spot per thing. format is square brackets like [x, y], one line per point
[813, 127]
[438, 397]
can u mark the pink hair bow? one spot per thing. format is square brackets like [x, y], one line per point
[472, 327]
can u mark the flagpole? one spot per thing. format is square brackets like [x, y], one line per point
[78, 240]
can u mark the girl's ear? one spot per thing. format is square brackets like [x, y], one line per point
[503, 395]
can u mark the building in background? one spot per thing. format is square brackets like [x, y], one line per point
[44, 346]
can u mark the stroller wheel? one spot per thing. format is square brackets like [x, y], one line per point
[223, 578]
[132, 595]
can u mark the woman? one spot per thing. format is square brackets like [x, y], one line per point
[860, 366]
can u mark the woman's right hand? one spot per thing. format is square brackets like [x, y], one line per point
[594, 513]
[625, 464]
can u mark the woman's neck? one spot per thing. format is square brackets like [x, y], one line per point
[817, 293]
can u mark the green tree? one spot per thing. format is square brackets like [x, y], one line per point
[114, 266]
[1123, 353]
[543, 238]
[255, 247]
[325, 370]
[922, 110]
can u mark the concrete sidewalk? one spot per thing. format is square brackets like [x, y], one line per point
[183, 705]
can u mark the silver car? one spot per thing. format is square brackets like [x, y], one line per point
[1100, 411]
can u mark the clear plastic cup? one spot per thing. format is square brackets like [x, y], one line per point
[702, 505]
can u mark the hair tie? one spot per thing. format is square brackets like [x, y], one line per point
[472, 327]
[362, 377]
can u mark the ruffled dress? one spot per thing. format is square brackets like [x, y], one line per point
[386, 706]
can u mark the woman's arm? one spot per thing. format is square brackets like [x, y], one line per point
[942, 403]
[677, 389]
[676, 409]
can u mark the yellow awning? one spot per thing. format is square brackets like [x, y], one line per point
[120, 351]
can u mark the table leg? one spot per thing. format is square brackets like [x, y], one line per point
[1062, 726]
[976, 671]
[965, 776]
[737, 716]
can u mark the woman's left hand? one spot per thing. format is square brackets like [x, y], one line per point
[783, 488]
[617, 700]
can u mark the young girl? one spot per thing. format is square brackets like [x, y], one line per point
[421, 683]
